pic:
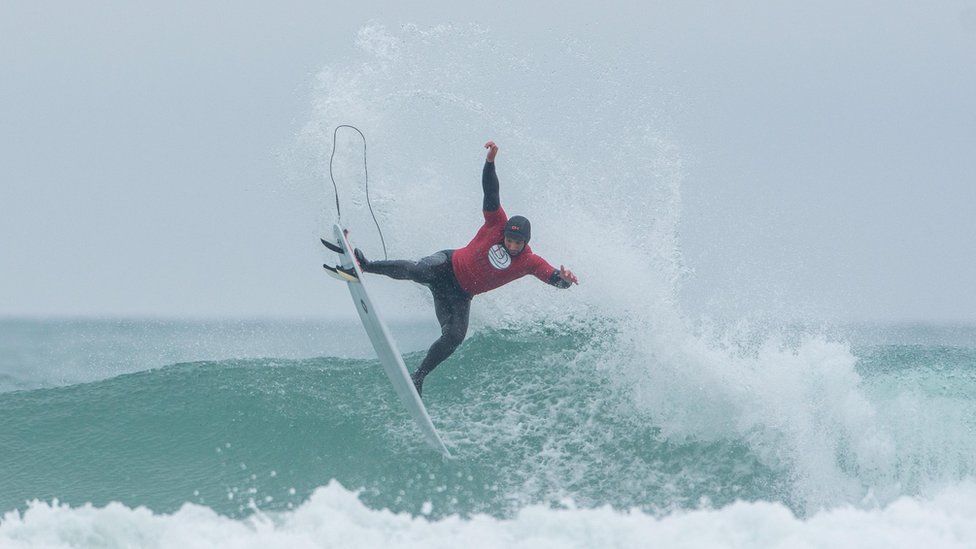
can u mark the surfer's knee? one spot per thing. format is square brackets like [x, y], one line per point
[433, 260]
[453, 335]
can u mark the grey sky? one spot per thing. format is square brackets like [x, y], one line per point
[827, 150]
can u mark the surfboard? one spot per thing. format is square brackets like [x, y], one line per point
[379, 336]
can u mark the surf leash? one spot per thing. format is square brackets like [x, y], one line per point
[366, 174]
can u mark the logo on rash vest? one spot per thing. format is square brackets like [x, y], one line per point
[499, 258]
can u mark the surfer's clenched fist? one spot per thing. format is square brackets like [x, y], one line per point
[492, 150]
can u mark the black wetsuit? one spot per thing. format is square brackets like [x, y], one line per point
[451, 304]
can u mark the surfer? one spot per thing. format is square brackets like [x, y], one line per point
[498, 254]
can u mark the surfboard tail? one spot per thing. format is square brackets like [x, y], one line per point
[346, 275]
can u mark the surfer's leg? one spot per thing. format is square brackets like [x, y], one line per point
[452, 313]
[423, 271]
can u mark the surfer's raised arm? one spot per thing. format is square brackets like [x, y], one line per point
[489, 180]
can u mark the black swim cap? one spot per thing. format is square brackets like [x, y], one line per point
[518, 228]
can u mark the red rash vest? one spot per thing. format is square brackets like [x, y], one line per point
[484, 264]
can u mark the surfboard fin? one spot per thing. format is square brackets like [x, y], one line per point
[332, 246]
[346, 275]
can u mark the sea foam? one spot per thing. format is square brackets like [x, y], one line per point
[335, 517]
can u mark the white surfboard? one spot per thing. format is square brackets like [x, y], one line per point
[385, 347]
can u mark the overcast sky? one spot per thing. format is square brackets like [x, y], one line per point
[827, 149]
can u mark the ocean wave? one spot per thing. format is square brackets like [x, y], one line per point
[529, 418]
[532, 416]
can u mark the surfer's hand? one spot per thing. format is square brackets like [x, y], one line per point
[567, 275]
[492, 150]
